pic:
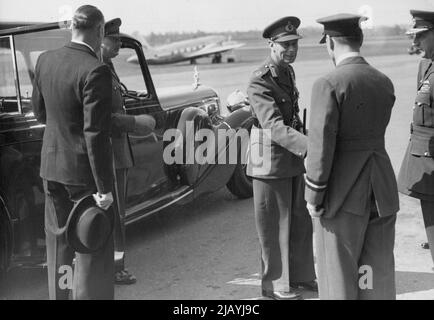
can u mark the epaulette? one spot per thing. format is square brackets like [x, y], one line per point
[272, 69]
[261, 71]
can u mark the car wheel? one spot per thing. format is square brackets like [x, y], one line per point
[240, 183]
[189, 173]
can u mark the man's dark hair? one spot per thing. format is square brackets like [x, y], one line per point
[355, 42]
[87, 17]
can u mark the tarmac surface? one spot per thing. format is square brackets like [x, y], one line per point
[209, 249]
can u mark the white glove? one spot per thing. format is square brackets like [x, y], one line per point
[145, 124]
[104, 201]
[315, 211]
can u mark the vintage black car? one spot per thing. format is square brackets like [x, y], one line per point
[152, 184]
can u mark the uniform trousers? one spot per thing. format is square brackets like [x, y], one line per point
[428, 220]
[427, 212]
[119, 207]
[93, 273]
[344, 246]
[285, 232]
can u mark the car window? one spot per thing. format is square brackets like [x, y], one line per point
[28, 47]
[129, 73]
[8, 93]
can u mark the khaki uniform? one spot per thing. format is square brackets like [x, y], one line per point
[283, 223]
[416, 176]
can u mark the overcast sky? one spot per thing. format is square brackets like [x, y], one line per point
[217, 15]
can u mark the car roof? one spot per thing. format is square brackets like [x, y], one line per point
[15, 24]
[26, 27]
[14, 28]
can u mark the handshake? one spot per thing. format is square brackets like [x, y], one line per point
[144, 124]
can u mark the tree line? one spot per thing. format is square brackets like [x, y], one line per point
[307, 32]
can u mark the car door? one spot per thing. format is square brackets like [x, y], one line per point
[147, 179]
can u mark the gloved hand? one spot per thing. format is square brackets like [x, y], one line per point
[104, 201]
[145, 124]
[315, 211]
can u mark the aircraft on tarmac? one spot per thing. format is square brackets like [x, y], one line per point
[187, 50]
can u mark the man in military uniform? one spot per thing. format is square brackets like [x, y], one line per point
[350, 184]
[416, 177]
[122, 153]
[283, 223]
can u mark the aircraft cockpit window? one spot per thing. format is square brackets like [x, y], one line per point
[28, 47]
[8, 93]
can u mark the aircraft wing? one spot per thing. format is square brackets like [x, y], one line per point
[213, 49]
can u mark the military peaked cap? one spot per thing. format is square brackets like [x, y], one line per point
[422, 21]
[341, 25]
[112, 27]
[282, 30]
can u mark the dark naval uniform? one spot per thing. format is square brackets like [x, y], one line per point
[283, 223]
[416, 176]
[350, 175]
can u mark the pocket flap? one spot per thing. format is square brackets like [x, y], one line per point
[422, 146]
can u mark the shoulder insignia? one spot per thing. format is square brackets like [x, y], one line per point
[262, 70]
[273, 71]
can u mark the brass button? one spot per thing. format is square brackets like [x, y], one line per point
[426, 154]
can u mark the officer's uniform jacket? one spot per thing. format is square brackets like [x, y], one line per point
[346, 160]
[416, 177]
[273, 98]
[121, 125]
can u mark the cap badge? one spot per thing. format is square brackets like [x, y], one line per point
[289, 27]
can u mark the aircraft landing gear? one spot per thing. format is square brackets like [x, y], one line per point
[217, 58]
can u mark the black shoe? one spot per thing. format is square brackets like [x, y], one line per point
[424, 245]
[281, 295]
[308, 285]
